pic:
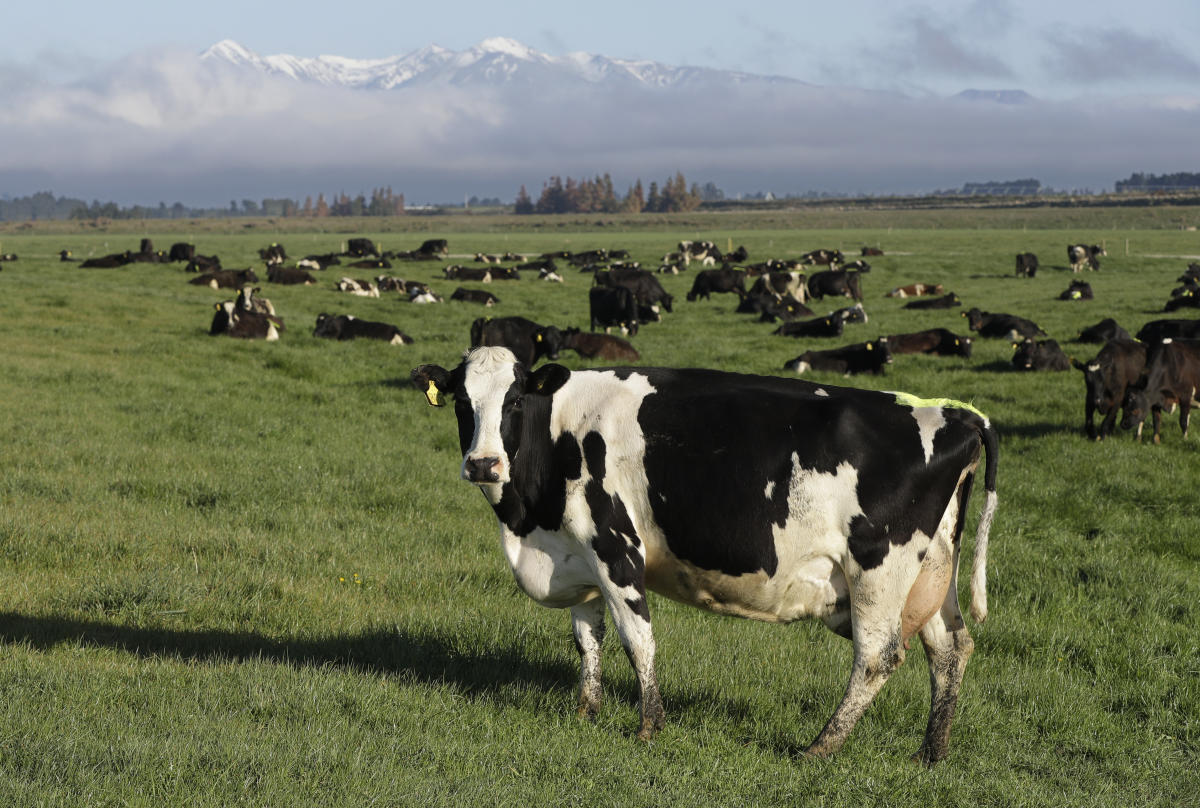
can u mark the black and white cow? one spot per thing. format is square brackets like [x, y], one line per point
[527, 340]
[457, 272]
[347, 326]
[1008, 326]
[479, 296]
[818, 327]
[232, 320]
[823, 257]
[1119, 364]
[861, 357]
[273, 253]
[1041, 354]
[1027, 265]
[1081, 255]
[357, 287]
[842, 505]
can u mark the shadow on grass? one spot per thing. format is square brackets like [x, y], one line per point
[418, 657]
[1041, 430]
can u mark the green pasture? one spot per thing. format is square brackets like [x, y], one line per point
[241, 573]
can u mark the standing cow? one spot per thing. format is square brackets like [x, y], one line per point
[816, 501]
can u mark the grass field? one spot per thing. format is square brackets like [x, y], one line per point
[241, 573]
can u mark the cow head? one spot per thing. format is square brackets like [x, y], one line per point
[491, 392]
[974, 318]
[1135, 405]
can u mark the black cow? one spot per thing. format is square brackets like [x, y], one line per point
[646, 289]
[290, 276]
[1078, 290]
[65, 256]
[479, 296]
[1027, 265]
[203, 263]
[432, 248]
[717, 281]
[1040, 355]
[181, 251]
[1186, 299]
[8, 256]
[1081, 255]
[1119, 364]
[346, 326]
[370, 263]
[834, 283]
[814, 501]
[361, 248]
[457, 272]
[770, 307]
[948, 301]
[936, 341]
[1008, 326]
[610, 306]
[232, 320]
[526, 339]
[599, 346]
[1172, 377]
[1103, 331]
[1156, 331]
[319, 262]
[819, 327]
[225, 278]
[861, 357]
[110, 261]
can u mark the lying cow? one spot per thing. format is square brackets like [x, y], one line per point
[1078, 290]
[290, 276]
[111, 261]
[1106, 378]
[1040, 355]
[948, 301]
[1156, 331]
[525, 339]
[871, 251]
[346, 326]
[1008, 326]
[455, 272]
[936, 341]
[861, 357]
[1172, 377]
[838, 504]
[1081, 255]
[361, 248]
[225, 278]
[599, 346]
[357, 287]
[233, 321]
[818, 327]
[916, 290]
[1103, 331]
[479, 296]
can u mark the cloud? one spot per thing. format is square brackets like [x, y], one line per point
[1097, 56]
[926, 48]
[164, 126]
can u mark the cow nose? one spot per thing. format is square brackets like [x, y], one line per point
[481, 469]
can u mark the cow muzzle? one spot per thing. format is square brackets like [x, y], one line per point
[484, 470]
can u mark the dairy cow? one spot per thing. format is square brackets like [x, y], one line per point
[1103, 331]
[948, 301]
[526, 339]
[1027, 265]
[1119, 364]
[475, 296]
[1172, 377]
[843, 505]
[936, 341]
[1044, 354]
[1008, 326]
[599, 346]
[347, 326]
[1083, 255]
[861, 357]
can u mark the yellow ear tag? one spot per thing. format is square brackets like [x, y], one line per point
[870, 347]
[432, 394]
[538, 338]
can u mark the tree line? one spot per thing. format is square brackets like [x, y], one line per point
[1155, 182]
[598, 196]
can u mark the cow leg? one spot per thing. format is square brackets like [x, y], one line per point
[587, 622]
[1157, 412]
[633, 627]
[1106, 426]
[948, 646]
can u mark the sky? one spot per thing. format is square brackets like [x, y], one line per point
[104, 101]
[1060, 49]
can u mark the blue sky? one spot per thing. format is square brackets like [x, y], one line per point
[1052, 50]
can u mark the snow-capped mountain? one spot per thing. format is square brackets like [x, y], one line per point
[495, 61]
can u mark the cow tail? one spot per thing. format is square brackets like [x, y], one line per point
[979, 569]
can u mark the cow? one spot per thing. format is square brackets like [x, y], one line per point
[1078, 290]
[738, 256]
[482, 258]
[610, 306]
[824, 257]
[525, 339]
[861, 357]
[345, 326]
[706, 252]
[781, 283]
[856, 266]
[1039, 355]
[549, 276]
[65, 256]
[646, 289]
[1103, 331]
[249, 300]
[110, 261]
[1007, 326]
[871, 251]
[370, 263]
[599, 346]
[936, 341]
[225, 278]
[1172, 377]
[273, 254]
[505, 274]
[290, 276]
[203, 263]
[8, 256]
[479, 296]
[357, 287]
[431, 249]
[319, 262]
[710, 281]
[456, 272]
[1156, 331]
[1081, 255]
[1119, 364]
[851, 314]
[834, 283]
[771, 307]
[1187, 299]
[361, 248]
[230, 320]
[1027, 265]
[540, 264]
[816, 501]
[818, 327]
[916, 290]
[181, 251]
[947, 301]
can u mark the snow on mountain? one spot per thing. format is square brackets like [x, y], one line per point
[494, 61]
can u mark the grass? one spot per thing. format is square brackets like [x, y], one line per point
[245, 573]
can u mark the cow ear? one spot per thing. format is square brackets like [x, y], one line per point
[546, 380]
[432, 380]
